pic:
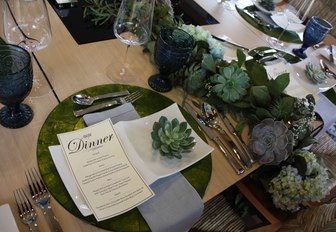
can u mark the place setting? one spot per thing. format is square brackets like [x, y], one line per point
[150, 106]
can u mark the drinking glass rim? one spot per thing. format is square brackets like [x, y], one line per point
[179, 29]
[9, 47]
[323, 23]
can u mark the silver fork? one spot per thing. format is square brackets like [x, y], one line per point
[40, 195]
[26, 210]
[128, 99]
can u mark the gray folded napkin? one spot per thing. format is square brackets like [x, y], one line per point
[176, 205]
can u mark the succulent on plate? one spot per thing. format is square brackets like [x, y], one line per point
[172, 138]
[315, 73]
[271, 142]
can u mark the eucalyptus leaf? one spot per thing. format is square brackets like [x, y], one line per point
[300, 164]
[209, 63]
[256, 72]
[307, 141]
[241, 57]
[262, 113]
[277, 86]
[260, 95]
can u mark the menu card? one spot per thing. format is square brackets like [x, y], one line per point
[104, 174]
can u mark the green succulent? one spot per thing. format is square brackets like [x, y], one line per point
[315, 73]
[172, 138]
[230, 84]
[271, 142]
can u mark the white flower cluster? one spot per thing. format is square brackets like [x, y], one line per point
[199, 34]
[289, 189]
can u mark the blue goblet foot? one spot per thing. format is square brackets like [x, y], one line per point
[159, 83]
[23, 115]
[300, 53]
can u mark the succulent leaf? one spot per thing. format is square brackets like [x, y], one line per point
[172, 138]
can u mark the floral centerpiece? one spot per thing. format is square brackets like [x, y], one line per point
[280, 125]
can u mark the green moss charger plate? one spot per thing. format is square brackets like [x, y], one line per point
[61, 120]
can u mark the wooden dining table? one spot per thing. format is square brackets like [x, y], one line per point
[70, 68]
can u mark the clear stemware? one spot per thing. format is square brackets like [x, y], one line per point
[26, 23]
[315, 31]
[16, 80]
[133, 26]
[294, 14]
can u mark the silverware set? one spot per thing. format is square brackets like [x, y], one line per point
[40, 196]
[230, 144]
[130, 98]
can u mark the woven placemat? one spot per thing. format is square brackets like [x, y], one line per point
[218, 215]
[326, 149]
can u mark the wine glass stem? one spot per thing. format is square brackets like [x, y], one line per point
[123, 69]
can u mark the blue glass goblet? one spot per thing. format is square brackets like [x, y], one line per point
[315, 31]
[16, 81]
[172, 50]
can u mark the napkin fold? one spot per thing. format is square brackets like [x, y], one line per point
[176, 205]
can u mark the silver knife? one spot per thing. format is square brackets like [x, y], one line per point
[232, 43]
[208, 131]
[239, 142]
[331, 55]
[94, 108]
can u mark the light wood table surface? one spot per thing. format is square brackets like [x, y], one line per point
[71, 68]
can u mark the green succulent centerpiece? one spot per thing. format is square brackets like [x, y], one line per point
[172, 138]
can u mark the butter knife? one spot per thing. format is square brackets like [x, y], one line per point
[94, 108]
[237, 139]
[232, 43]
[208, 131]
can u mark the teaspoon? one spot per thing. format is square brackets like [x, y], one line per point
[85, 100]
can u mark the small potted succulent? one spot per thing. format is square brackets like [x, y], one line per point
[172, 138]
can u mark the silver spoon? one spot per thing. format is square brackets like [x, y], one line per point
[210, 119]
[85, 100]
[326, 69]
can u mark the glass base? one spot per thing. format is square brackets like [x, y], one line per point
[120, 73]
[159, 84]
[275, 43]
[40, 88]
[300, 53]
[20, 119]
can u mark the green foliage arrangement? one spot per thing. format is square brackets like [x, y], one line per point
[300, 182]
[172, 138]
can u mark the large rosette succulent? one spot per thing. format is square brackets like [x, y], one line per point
[271, 142]
[231, 83]
[172, 138]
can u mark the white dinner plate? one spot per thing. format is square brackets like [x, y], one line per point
[298, 71]
[288, 21]
[7, 221]
[148, 161]
[150, 164]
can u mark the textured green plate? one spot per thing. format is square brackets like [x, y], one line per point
[286, 36]
[61, 120]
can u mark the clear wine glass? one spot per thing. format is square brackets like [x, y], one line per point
[315, 31]
[290, 18]
[16, 80]
[133, 26]
[26, 23]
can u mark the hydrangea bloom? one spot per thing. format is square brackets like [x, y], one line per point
[289, 189]
[216, 49]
